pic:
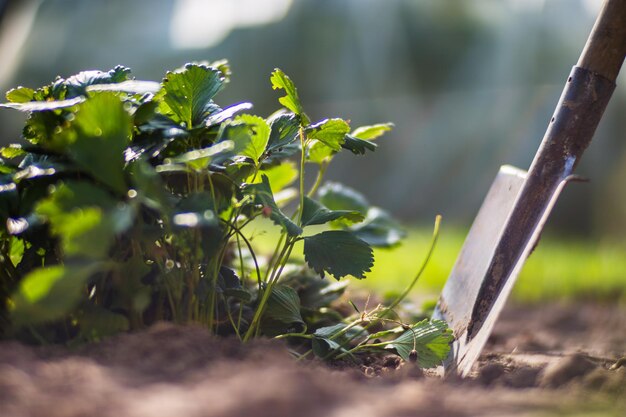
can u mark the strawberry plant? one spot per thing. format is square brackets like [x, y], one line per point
[127, 202]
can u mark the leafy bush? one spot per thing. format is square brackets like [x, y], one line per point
[127, 202]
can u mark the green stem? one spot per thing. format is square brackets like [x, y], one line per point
[300, 335]
[318, 179]
[270, 281]
[230, 318]
[273, 259]
[409, 287]
[302, 160]
[238, 232]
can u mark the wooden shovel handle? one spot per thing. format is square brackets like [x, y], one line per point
[606, 46]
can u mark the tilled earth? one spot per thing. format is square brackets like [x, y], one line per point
[541, 361]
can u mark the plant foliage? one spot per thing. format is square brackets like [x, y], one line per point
[128, 201]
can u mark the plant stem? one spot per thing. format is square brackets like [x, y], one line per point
[302, 160]
[409, 287]
[270, 281]
[318, 179]
[249, 245]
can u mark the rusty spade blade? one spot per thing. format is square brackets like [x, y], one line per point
[518, 204]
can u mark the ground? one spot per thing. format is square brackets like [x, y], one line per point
[541, 361]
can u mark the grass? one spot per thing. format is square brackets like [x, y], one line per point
[558, 269]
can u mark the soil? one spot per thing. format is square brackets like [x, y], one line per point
[541, 361]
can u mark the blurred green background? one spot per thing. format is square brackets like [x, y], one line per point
[470, 85]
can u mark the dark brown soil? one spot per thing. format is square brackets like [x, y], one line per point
[541, 361]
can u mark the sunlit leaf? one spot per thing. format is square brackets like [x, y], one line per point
[225, 114]
[200, 159]
[254, 143]
[76, 85]
[429, 338]
[188, 91]
[338, 253]
[37, 106]
[373, 131]
[97, 138]
[47, 294]
[331, 132]
[290, 100]
[319, 153]
[12, 151]
[16, 250]
[20, 95]
[129, 86]
[85, 217]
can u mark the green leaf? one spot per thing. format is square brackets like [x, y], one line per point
[335, 339]
[280, 176]
[284, 129]
[20, 95]
[76, 85]
[337, 196]
[222, 115]
[48, 294]
[229, 284]
[200, 159]
[12, 151]
[40, 127]
[319, 153]
[97, 138]
[6, 169]
[315, 213]
[373, 131]
[149, 186]
[16, 250]
[430, 338]
[263, 195]
[254, 143]
[379, 229]
[282, 312]
[130, 87]
[37, 106]
[339, 253]
[290, 100]
[315, 293]
[187, 92]
[358, 146]
[331, 132]
[85, 217]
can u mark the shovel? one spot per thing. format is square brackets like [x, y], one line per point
[517, 206]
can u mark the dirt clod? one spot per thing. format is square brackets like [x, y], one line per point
[523, 377]
[490, 372]
[566, 369]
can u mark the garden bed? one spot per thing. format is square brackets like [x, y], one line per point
[541, 360]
